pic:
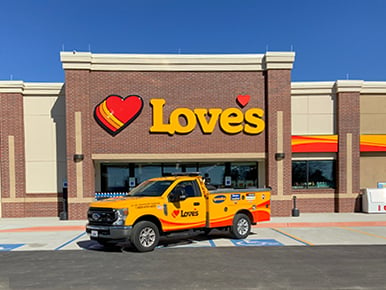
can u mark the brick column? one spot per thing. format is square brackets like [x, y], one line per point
[80, 173]
[12, 149]
[348, 129]
[278, 143]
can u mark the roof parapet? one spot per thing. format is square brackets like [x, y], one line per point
[177, 62]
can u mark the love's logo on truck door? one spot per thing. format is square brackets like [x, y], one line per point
[183, 213]
[115, 113]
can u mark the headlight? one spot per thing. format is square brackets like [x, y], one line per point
[121, 215]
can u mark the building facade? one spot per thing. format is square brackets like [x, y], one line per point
[119, 119]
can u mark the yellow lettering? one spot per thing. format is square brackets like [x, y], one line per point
[184, 120]
[230, 120]
[158, 125]
[207, 126]
[189, 117]
[254, 122]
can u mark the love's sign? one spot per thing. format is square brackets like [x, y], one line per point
[115, 113]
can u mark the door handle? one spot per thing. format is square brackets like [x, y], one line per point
[196, 203]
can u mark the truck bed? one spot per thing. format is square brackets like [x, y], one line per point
[237, 190]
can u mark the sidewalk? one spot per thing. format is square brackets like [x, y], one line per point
[327, 220]
[309, 229]
[304, 220]
[40, 224]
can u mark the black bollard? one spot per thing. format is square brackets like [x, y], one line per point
[295, 211]
[64, 214]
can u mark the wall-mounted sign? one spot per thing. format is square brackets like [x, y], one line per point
[115, 113]
[230, 120]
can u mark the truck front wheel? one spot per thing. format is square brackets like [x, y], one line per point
[241, 226]
[145, 236]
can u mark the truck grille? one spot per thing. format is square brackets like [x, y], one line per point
[101, 216]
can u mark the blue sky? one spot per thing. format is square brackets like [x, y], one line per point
[332, 39]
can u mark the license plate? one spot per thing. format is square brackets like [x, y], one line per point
[94, 234]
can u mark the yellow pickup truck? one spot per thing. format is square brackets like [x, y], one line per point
[165, 205]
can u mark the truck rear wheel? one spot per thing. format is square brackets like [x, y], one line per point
[241, 226]
[145, 236]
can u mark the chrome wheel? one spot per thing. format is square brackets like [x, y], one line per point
[243, 226]
[147, 237]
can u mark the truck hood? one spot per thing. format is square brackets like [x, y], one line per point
[126, 202]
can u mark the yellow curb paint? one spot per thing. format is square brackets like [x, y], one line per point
[293, 237]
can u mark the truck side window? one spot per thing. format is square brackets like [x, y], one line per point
[190, 187]
[196, 189]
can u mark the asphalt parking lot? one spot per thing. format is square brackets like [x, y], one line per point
[52, 234]
[313, 251]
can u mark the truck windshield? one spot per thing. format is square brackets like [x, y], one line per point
[151, 188]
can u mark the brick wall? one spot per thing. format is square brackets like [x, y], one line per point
[85, 90]
[180, 90]
[12, 124]
[348, 122]
[278, 98]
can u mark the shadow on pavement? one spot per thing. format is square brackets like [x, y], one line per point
[174, 240]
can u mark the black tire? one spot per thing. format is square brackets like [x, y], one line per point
[207, 231]
[145, 236]
[241, 226]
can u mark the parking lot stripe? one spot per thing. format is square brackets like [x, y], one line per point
[321, 224]
[70, 241]
[293, 237]
[363, 232]
[212, 243]
[44, 229]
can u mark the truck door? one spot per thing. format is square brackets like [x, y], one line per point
[190, 211]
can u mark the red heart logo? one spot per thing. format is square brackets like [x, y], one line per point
[243, 100]
[175, 213]
[115, 113]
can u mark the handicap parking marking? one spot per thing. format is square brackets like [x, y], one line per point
[256, 243]
[9, 247]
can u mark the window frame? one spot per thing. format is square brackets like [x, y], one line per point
[308, 182]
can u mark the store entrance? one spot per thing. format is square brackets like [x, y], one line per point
[122, 177]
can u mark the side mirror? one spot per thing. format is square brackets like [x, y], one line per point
[178, 194]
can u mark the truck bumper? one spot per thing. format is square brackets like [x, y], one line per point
[108, 232]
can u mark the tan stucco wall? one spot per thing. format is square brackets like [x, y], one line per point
[44, 121]
[372, 169]
[373, 114]
[313, 115]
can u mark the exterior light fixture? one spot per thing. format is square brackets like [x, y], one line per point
[279, 156]
[78, 157]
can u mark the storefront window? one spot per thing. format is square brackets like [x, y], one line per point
[143, 172]
[115, 178]
[213, 172]
[244, 175]
[122, 177]
[313, 174]
[171, 168]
